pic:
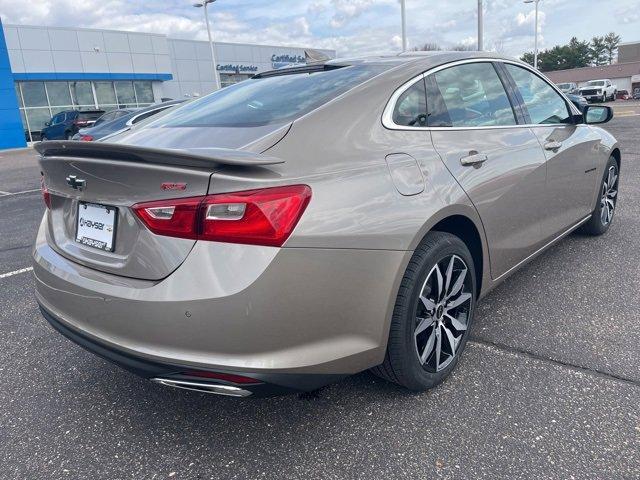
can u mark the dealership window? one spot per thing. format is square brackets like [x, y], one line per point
[82, 93]
[58, 93]
[227, 79]
[126, 94]
[40, 101]
[105, 95]
[144, 92]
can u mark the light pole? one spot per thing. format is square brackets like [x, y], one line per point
[535, 48]
[403, 13]
[204, 4]
[480, 27]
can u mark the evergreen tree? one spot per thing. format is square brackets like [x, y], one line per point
[611, 42]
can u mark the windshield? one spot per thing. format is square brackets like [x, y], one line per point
[264, 101]
[564, 86]
[596, 83]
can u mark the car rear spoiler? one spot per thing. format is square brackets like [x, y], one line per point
[190, 157]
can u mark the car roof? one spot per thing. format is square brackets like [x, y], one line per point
[426, 59]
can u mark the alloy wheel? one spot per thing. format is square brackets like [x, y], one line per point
[443, 312]
[609, 196]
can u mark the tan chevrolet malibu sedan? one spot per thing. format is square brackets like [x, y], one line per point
[317, 221]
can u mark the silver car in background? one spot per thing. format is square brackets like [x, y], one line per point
[317, 221]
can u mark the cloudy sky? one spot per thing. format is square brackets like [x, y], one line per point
[352, 27]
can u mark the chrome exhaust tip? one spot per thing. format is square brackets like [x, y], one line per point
[216, 389]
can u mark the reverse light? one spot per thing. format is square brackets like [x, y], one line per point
[257, 217]
[46, 196]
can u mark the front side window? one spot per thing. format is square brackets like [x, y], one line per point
[411, 107]
[470, 95]
[544, 104]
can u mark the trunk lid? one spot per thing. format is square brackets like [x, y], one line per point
[119, 176]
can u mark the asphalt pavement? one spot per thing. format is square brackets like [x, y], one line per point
[548, 388]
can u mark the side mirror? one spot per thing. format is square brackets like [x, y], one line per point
[597, 114]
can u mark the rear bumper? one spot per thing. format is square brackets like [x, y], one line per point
[297, 318]
[166, 373]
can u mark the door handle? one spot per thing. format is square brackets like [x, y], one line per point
[474, 159]
[552, 145]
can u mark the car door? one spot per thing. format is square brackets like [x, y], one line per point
[571, 151]
[57, 127]
[476, 129]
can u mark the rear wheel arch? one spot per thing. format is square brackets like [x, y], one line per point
[465, 229]
[462, 221]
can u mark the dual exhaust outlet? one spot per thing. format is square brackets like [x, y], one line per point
[202, 387]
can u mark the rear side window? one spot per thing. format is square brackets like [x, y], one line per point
[469, 95]
[146, 115]
[411, 107]
[544, 104]
[264, 101]
[89, 115]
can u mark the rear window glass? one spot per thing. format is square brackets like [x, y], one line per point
[264, 101]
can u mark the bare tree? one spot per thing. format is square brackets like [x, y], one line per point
[461, 47]
[427, 47]
[498, 46]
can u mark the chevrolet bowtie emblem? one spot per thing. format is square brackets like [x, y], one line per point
[76, 183]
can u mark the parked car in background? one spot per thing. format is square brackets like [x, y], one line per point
[636, 94]
[578, 101]
[112, 115]
[623, 95]
[312, 222]
[64, 125]
[122, 122]
[598, 91]
[568, 87]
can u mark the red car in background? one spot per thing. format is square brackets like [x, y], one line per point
[623, 95]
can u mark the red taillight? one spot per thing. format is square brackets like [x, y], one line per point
[46, 196]
[86, 138]
[173, 218]
[256, 217]
[227, 377]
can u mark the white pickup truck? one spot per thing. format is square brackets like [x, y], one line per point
[599, 91]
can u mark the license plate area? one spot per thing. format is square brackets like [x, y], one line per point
[96, 226]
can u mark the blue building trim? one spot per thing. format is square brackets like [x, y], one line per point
[11, 129]
[78, 76]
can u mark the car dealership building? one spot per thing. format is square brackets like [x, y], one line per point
[44, 70]
[625, 74]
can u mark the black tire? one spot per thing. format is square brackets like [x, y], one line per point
[43, 138]
[604, 97]
[596, 224]
[402, 364]
[68, 136]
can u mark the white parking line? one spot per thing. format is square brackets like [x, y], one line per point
[20, 193]
[15, 272]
